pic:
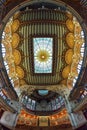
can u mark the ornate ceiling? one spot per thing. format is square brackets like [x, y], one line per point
[67, 41]
[21, 54]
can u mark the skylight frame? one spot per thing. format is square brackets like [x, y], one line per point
[54, 57]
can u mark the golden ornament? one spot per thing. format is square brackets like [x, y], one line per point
[68, 56]
[70, 40]
[15, 25]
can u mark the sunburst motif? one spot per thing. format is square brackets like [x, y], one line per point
[43, 56]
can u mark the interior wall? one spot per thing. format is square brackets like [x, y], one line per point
[46, 129]
[63, 127]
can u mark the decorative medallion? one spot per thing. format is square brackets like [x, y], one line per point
[17, 56]
[66, 72]
[70, 40]
[15, 25]
[70, 25]
[68, 56]
[15, 40]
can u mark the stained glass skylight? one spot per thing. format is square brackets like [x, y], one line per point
[43, 92]
[43, 54]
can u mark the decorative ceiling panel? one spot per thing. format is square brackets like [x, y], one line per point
[43, 23]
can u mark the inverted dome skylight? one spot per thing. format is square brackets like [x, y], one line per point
[43, 92]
